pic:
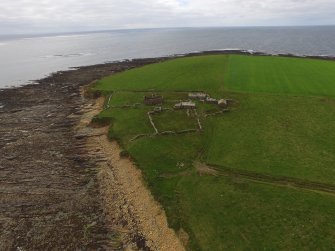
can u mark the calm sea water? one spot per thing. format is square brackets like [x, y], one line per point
[24, 58]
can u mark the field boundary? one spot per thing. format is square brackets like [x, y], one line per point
[274, 180]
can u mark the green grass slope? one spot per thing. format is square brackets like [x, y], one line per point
[231, 214]
[276, 135]
[196, 73]
[280, 75]
[277, 129]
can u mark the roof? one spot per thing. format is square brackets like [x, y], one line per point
[222, 101]
[211, 99]
[197, 95]
[185, 104]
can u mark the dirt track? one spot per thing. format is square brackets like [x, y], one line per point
[49, 190]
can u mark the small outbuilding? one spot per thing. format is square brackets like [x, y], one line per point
[210, 100]
[223, 103]
[230, 102]
[185, 105]
[158, 109]
[153, 100]
[198, 95]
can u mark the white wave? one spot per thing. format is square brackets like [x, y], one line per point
[228, 49]
[69, 36]
[55, 36]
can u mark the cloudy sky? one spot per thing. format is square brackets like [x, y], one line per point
[27, 16]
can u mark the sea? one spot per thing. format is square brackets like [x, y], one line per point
[25, 58]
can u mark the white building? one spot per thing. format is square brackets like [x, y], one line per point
[185, 105]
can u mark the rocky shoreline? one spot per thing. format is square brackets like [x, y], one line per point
[49, 192]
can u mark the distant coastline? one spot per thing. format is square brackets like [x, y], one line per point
[76, 33]
[255, 53]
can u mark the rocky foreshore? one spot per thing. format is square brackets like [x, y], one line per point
[49, 194]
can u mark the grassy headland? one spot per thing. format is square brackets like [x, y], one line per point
[281, 127]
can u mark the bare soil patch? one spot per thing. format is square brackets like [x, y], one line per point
[203, 169]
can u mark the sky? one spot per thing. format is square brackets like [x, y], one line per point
[46, 16]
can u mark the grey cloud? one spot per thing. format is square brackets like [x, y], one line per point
[18, 16]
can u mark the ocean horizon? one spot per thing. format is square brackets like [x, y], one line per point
[28, 57]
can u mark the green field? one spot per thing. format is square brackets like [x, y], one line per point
[282, 126]
[295, 76]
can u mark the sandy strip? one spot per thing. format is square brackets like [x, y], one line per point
[129, 205]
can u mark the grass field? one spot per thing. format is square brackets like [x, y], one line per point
[231, 73]
[282, 126]
[280, 75]
[183, 74]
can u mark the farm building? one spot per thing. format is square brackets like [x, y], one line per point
[197, 95]
[153, 100]
[230, 102]
[157, 109]
[210, 100]
[185, 105]
[223, 103]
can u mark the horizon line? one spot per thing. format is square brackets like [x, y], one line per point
[161, 28]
